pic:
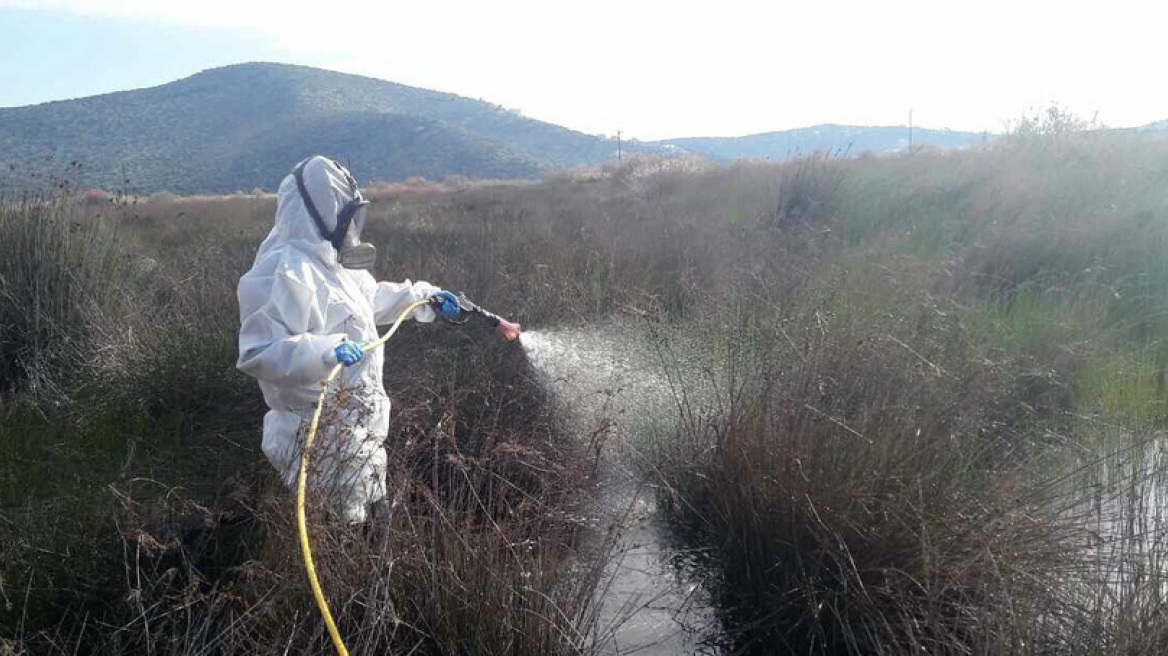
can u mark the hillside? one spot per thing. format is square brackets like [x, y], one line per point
[836, 139]
[242, 126]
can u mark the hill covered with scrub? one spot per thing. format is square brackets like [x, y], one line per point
[242, 127]
[918, 407]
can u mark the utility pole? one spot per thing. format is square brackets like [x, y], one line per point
[910, 131]
[619, 154]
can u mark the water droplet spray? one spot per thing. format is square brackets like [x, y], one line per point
[607, 379]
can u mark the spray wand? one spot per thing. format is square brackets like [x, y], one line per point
[509, 330]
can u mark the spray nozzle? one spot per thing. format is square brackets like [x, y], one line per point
[510, 331]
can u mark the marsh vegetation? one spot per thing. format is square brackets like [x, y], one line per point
[917, 406]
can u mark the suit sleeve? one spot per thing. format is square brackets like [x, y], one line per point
[281, 335]
[390, 299]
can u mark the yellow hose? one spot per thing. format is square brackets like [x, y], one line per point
[301, 485]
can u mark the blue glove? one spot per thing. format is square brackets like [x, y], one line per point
[447, 304]
[349, 353]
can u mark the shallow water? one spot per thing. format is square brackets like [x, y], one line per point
[1123, 516]
[619, 403]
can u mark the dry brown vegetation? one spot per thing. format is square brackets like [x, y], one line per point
[931, 422]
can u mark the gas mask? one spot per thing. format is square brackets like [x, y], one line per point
[346, 236]
[355, 254]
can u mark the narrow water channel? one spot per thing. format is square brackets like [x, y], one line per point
[648, 602]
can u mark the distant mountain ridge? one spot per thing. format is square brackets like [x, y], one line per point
[243, 126]
[830, 139]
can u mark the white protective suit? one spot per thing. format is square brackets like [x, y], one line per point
[296, 304]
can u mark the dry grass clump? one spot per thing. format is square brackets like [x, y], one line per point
[855, 491]
[437, 574]
[55, 270]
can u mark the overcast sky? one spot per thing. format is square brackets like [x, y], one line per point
[652, 69]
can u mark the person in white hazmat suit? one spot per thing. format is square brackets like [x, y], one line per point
[307, 303]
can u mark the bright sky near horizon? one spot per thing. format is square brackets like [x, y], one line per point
[650, 68]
